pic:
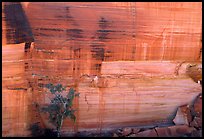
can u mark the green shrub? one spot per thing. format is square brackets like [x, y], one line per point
[60, 107]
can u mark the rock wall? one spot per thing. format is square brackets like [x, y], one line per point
[75, 42]
[139, 31]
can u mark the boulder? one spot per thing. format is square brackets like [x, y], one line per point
[163, 132]
[180, 130]
[132, 135]
[115, 135]
[196, 133]
[119, 132]
[198, 106]
[197, 122]
[126, 131]
[183, 115]
[174, 131]
[147, 133]
[135, 130]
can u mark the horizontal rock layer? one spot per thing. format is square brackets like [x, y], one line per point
[118, 42]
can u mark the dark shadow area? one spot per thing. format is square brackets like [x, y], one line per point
[18, 28]
[37, 131]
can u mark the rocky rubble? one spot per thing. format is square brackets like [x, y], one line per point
[170, 131]
[183, 115]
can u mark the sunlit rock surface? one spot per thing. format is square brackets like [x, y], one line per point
[127, 60]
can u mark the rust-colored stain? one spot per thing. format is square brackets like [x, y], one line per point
[128, 60]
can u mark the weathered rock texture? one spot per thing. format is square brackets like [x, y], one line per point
[138, 51]
[183, 115]
[184, 125]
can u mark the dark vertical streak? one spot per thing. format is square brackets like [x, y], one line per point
[27, 46]
[18, 28]
[134, 34]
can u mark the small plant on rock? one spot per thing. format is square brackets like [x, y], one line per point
[60, 106]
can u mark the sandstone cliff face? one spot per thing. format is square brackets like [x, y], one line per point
[139, 31]
[133, 48]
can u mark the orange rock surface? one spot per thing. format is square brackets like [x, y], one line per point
[133, 49]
